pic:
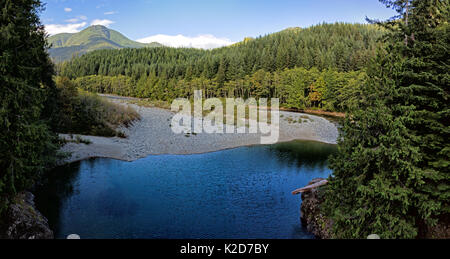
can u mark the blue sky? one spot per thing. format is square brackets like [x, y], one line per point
[196, 21]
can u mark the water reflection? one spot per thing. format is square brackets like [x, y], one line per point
[304, 154]
[239, 193]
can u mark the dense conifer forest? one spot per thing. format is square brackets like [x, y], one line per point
[28, 142]
[391, 175]
[315, 67]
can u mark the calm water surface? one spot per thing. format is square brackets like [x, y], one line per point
[238, 193]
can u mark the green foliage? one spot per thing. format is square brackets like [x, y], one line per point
[391, 175]
[120, 85]
[342, 47]
[81, 112]
[27, 97]
[66, 45]
[305, 68]
[297, 88]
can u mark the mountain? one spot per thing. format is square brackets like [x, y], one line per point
[340, 46]
[65, 45]
[306, 68]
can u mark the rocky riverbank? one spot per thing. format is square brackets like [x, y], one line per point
[23, 221]
[310, 214]
[152, 135]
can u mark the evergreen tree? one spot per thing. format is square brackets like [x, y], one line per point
[391, 176]
[27, 90]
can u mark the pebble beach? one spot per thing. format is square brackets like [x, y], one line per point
[153, 135]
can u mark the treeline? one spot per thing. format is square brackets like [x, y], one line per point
[297, 88]
[340, 46]
[255, 67]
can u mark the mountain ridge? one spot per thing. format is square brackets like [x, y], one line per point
[66, 45]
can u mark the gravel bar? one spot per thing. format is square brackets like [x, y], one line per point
[152, 135]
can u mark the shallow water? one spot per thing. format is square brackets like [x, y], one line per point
[238, 193]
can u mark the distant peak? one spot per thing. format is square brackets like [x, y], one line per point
[97, 27]
[92, 38]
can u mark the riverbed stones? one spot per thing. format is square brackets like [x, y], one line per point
[152, 135]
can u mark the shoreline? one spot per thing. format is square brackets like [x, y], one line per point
[336, 115]
[152, 135]
[70, 161]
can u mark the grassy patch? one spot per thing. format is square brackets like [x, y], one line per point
[102, 118]
[86, 113]
[152, 103]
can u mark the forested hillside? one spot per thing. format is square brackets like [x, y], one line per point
[325, 55]
[65, 45]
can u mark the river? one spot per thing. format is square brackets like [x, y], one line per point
[237, 193]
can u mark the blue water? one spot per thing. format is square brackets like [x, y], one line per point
[238, 193]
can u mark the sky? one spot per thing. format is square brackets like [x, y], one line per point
[203, 23]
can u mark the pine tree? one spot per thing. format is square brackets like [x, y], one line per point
[391, 175]
[26, 93]
[221, 72]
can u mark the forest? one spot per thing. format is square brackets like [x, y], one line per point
[317, 67]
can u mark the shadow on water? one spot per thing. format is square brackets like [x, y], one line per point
[304, 153]
[55, 190]
[238, 193]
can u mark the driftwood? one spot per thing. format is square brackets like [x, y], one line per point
[310, 187]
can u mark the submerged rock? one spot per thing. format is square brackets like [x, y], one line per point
[22, 221]
[311, 216]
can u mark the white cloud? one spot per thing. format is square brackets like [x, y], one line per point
[76, 19]
[110, 13]
[67, 9]
[201, 41]
[73, 20]
[104, 22]
[53, 29]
